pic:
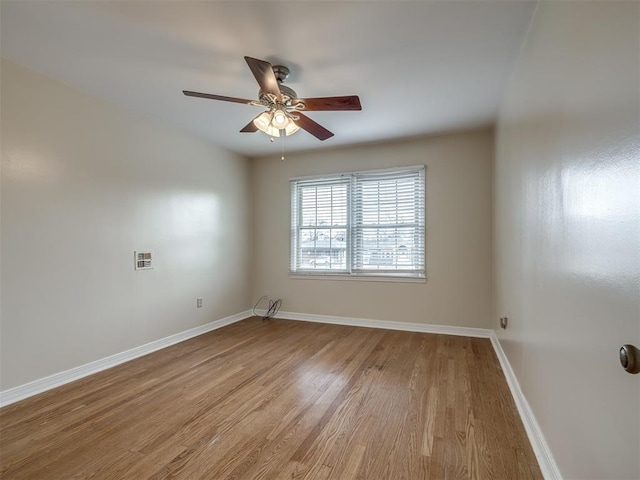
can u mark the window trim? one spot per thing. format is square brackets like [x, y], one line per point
[350, 273]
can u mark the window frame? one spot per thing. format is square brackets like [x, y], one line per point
[351, 271]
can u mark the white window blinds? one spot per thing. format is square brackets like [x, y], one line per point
[388, 222]
[320, 222]
[362, 223]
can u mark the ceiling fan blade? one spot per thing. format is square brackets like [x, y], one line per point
[351, 102]
[250, 127]
[216, 97]
[263, 71]
[312, 127]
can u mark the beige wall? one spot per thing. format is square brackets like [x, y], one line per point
[567, 231]
[84, 184]
[458, 216]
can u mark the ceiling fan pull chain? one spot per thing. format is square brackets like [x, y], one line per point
[282, 143]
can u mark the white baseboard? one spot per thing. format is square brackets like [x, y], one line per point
[21, 392]
[388, 325]
[539, 444]
[547, 463]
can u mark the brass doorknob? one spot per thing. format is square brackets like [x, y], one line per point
[630, 358]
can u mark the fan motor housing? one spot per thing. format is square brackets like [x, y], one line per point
[287, 94]
[281, 72]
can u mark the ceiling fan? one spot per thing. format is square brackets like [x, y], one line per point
[284, 109]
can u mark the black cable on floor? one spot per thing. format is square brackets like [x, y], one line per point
[274, 307]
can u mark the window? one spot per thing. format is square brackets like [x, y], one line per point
[359, 224]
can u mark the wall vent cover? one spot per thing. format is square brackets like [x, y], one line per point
[143, 260]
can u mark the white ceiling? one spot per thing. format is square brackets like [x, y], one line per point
[419, 67]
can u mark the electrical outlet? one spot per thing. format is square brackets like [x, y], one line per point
[504, 322]
[198, 302]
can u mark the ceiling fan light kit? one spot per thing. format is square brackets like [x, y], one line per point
[275, 123]
[284, 115]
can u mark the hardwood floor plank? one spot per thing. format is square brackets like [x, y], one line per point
[347, 469]
[279, 399]
[473, 462]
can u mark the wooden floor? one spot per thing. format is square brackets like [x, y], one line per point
[279, 400]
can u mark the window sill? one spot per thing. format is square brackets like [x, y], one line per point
[356, 278]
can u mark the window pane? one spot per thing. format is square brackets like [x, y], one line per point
[323, 249]
[389, 249]
[324, 205]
